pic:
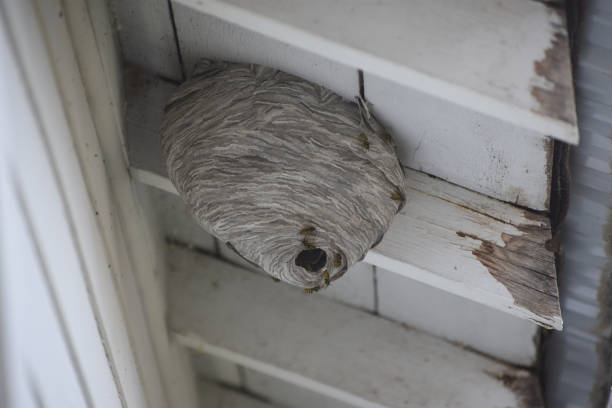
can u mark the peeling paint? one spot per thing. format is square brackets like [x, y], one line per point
[555, 95]
[524, 266]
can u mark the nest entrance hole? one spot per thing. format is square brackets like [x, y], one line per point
[313, 260]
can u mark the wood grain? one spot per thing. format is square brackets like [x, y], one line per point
[476, 247]
[281, 169]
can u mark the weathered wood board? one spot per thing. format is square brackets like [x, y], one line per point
[329, 348]
[508, 59]
[475, 247]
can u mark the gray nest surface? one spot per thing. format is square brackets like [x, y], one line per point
[291, 176]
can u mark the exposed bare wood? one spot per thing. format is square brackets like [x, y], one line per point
[475, 247]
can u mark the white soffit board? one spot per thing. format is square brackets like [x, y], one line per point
[506, 59]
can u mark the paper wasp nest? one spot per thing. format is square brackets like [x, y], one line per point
[291, 176]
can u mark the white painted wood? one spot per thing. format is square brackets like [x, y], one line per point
[461, 320]
[215, 396]
[323, 346]
[130, 242]
[424, 243]
[101, 216]
[202, 36]
[463, 146]
[36, 371]
[147, 37]
[216, 369]
[55, 351]
[288, 394]
[474, 53]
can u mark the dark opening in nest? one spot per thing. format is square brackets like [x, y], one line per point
[313, 260]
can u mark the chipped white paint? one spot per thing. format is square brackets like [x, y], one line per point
[442, 256]
[328, 348]
[483, 58]
[423, 243]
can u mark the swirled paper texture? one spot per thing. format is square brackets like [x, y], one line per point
[294, 178]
